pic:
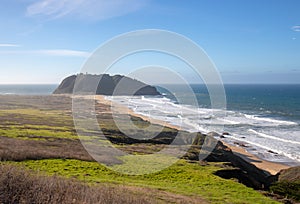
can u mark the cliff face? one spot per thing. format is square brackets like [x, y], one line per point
[66, 86]
[107, 85]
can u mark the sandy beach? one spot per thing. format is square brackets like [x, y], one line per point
[271, 167]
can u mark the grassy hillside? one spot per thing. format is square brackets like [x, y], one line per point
[41, 137]
[182, 178]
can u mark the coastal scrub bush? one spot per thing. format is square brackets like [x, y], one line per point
[287, 188]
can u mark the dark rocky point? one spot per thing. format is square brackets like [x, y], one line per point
[104, 84]
[272, 152]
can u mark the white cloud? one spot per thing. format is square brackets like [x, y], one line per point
[54, 8]
[9, 45]
[296, 28]
[56, 52]
[91, 9]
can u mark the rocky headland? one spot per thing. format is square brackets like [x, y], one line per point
[104, 84]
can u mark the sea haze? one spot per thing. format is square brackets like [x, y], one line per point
[265, 118]
[27, 89]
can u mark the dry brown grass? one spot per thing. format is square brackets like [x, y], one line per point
[12, 149]
[18, 150]
[21, 186]
[50, 102]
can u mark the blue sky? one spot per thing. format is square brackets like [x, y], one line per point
[42, 41]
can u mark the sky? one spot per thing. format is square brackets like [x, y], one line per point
[43, 41]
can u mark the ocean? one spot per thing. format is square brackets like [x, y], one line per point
[264, 118]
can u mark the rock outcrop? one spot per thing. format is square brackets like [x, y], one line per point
[243, 171]
[291, 174]
[104, 84]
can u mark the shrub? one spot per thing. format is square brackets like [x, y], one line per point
[287, 189]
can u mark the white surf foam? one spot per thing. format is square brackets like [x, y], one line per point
[289, 155]
[280, 122]
[273, 137]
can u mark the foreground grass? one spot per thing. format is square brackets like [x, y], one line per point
[22, 186]
[182, 178]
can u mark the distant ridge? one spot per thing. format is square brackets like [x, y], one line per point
[107, 85]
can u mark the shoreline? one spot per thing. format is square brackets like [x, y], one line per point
[269, 166]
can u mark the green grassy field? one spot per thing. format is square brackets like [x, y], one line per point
[182, 178]
[44, 139]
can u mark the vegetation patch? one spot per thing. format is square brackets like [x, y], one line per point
[35, 117]
[287, 189]
[36, 132]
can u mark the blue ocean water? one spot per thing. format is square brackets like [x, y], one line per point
[269, 100]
